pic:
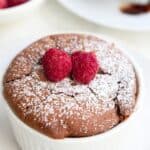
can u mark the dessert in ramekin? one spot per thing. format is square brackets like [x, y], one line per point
[71, 114]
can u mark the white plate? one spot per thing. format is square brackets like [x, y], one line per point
[107, 13]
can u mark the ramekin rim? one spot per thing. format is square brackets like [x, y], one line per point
[114, 129]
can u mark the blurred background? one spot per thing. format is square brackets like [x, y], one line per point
[54, 16]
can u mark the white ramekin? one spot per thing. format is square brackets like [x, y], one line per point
[18, 12]
[114, 139]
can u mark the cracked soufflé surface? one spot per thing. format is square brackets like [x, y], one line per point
[66, 108]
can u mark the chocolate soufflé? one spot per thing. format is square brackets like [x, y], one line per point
[66, 108]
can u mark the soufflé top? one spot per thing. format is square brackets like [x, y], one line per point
[68, 108]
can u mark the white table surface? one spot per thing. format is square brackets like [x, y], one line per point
[53, 18]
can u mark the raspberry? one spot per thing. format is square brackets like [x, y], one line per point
[57, 64]
[16, 2]
[84, 66]
[3, 4]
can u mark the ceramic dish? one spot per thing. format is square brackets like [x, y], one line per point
[107, 13]
[29, 139]
[18, 12]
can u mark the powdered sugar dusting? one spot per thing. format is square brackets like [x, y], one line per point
[54, 103]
